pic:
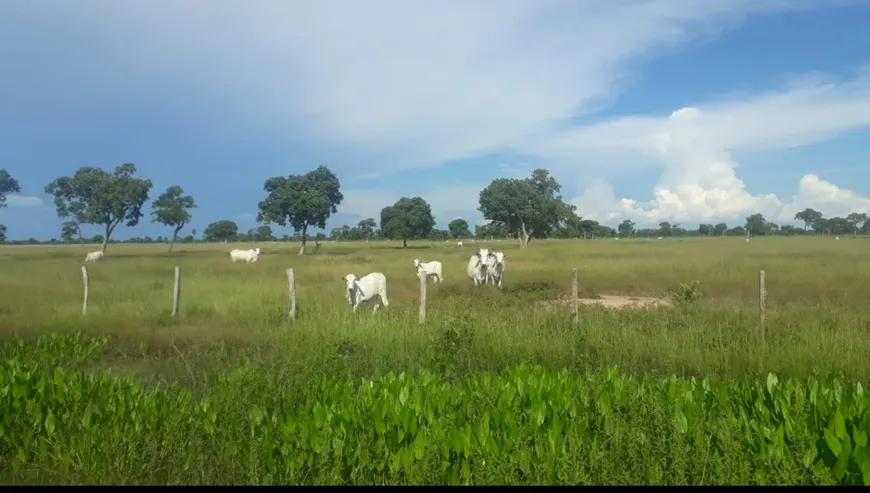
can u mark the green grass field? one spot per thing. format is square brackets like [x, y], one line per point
[234, 342]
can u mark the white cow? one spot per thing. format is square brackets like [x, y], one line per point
[94, 256]
[370, 286]
[459, 244]
[837, 238]
[476, 268]
[432, 268]
[495, 268]
[248, 256]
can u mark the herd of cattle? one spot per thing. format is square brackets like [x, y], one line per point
[484, 267]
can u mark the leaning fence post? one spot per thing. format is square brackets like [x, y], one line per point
[176, 294]
[762, 300]
[422, 276]
[86, 282]
[291, 283]
[574, 302]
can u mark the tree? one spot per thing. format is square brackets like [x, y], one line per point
[856, 221]
[407, 219]
[720, 229]
[264, 233]
[220, 231]
[170, 209]
[809, 217]
[756, 225]
[367, 228]
[665, 228]
[301, 200]
[529, 207]
[7, 185]
[69, 229]
[626, 228]
[459, 228]
[705, 229]
[102, 197]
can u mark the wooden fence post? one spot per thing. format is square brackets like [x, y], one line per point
[291, 283]
[574, 302]
[87, 283]
[422, 276]
[762, 300]
[176, 294]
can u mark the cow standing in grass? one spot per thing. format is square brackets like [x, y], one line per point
[476, 268]
[432, 268]
[495, 268]
[367, 288]
[94, 256]
[248, 256]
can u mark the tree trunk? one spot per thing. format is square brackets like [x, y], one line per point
[524, 235]
[404, 243]
[109, 229]
[304, 238]
[174, 238]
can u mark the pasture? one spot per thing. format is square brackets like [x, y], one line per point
[233, 339]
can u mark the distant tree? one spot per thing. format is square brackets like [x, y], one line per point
[102, 197]
[220, 231]
[367, 228]
[7, 185]
[705, 229]
[756, 225]
[528, 208]
[459, 228]
[809, 217]
[301, 200]
[171, 209]
[409, 218]
[720, 229]
[69, 230]
[665, 229]
[626, 227]
[264, 233]
[856, 221]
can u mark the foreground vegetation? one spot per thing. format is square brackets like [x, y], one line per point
[247, 396]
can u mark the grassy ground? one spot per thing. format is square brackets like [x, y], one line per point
[234, 315]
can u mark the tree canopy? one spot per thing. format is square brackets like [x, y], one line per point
[7, 185]
[301, 200]
[528, 207]
[459, 228]
[99, 197]
[171, 209]
[407, 219]
[220, 231]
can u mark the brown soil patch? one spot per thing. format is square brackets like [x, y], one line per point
[614, 301]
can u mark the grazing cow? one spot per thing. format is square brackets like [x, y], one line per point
[837, 238]
[248, 256]
[495, 268]
[370, 286]
[476, 268]
[747, 239]
[459, 244]
[432, 268]
[94, 256]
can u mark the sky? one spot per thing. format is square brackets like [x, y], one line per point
[685, 111]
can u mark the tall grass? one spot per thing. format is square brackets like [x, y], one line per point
[235, 315]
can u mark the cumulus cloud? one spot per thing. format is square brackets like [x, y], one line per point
[699, 181]
[23, 201]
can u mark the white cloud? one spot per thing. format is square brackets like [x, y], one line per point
[408, 81]
[699, 180]
[404, 83]
[23, 201]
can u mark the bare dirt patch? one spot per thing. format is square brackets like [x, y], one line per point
[613, 301]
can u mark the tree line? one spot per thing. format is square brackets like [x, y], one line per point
[520, 208]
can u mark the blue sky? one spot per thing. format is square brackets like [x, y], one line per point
[660, 110]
